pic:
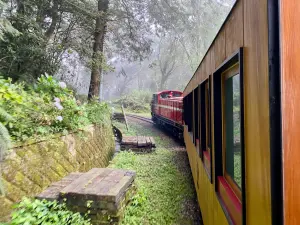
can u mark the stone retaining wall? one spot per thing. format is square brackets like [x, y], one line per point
[29, 169]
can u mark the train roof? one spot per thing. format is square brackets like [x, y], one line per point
[173, 99]
[164, 91]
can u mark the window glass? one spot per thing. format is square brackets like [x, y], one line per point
[233, 128]
[196, 113]
[203, 116]
[177, 94]
[208, 115]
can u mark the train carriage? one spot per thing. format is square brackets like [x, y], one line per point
[166, 110]
[242, 120]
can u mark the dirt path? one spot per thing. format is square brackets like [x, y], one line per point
[170, 189]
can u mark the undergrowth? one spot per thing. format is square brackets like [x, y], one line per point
[135, 101]
[33, 211]
[47, 107]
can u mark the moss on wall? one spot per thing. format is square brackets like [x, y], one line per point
[29, 169]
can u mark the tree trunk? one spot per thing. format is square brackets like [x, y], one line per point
[54, 16]
[162, 83]
[97, 58]
[20, 7]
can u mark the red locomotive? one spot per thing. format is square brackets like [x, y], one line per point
[166, 110]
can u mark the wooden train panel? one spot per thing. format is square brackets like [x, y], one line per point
[234, 30]
[219, 52]
[256, 89]
[211, 210]
[247, 27]
[290, 70]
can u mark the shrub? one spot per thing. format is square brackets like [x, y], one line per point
[45, 108]
[37, 212]
[137, 101]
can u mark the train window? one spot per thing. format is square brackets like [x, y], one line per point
[190, 112]
[164, 95]
[229, 137]
[176, 94]
[208, 116]
[196, 116]
[232, 127]
[205, 125]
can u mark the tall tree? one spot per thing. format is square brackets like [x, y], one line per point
[168, 58]
[167, 61]
[98, 47]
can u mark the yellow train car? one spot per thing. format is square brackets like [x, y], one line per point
[242, 117]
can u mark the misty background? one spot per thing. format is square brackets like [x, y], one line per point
[174, 55]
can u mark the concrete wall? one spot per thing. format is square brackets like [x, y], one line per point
[28, 169]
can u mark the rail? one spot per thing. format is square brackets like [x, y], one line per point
[140, 118]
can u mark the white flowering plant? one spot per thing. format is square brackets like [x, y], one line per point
[48, 84]
[46, 107]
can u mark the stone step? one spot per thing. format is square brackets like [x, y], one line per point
[103, 192]
[53, 191]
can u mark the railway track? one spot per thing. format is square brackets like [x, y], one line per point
[140, 118]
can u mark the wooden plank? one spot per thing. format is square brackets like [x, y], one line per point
[99, 184]
[148, 140]
[142, 141]
[202, 69]
[209, 68]
[129, 140]
[206, 66]
[234, 30]
[76, 185]
[256, 91]
[219, 52]
[290, 70]
[153, 142]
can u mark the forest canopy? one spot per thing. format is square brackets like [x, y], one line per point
[107, 47]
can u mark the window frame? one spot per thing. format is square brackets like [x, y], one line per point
[196, 133]
[228, 73]
[205, 125]
[232, 203]
[188, 113]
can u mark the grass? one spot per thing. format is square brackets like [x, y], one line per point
[237, 168]
[162, 186]
[147, 114]
[144, 114]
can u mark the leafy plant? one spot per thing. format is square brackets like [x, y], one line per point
[47, 107]
[5, 25]
[139, 199]
[50, 86]
[36, 212]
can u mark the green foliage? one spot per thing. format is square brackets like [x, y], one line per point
[5, 25]
[237, 168]
[47, 84]
[43, 212]
[25, 56]
[46, 108]
[136, 101]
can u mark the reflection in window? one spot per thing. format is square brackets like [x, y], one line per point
[208, 115]
[233, 128]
